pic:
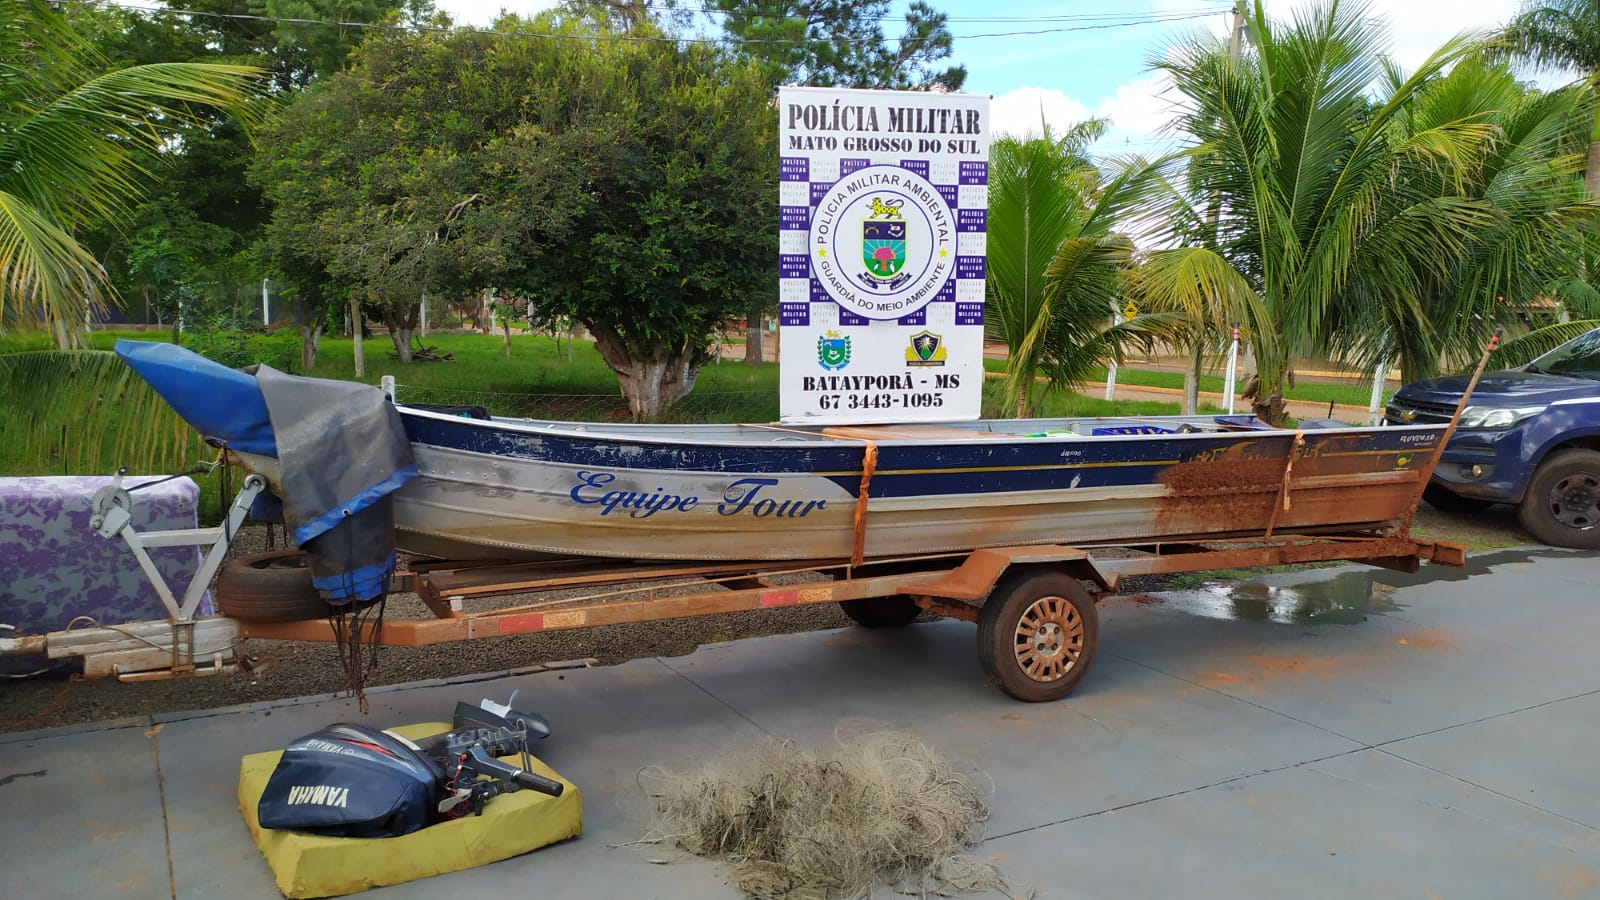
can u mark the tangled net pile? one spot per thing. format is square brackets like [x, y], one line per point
[800, 824]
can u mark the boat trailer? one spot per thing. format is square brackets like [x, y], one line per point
[1035, 605]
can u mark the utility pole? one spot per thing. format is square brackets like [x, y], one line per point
[1237, 35]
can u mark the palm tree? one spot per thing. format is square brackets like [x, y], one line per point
[71, 135]
[1057, 262]
[1288, 196]
[1526, 178]
[1560, 35]
[1564, 35]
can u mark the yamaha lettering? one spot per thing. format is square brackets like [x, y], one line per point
[319, 795]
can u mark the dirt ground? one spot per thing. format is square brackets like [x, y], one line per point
[306, 669]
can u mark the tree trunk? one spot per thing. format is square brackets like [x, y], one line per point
[1271, 408]
[506, 327]
[400, 335]
[355, 332]
[752, 337]
[1191, 378]
[1591, 169]
[310, 335]
[1266, 395]
[649, 384]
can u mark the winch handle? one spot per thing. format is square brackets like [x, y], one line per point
[484, 764]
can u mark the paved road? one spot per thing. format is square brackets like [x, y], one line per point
[1335, 733]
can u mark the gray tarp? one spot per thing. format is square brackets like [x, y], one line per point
[343, 451]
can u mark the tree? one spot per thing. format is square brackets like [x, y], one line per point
[1525, 178]
[623, 184]
[1296, 186]
[636, 203]
[206, 181]
[840, 43]
[835, 43]
[1560, 35]
[1057, 262]
[71, 132]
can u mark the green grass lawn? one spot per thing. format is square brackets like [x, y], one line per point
[538, 379]
[1311, 392]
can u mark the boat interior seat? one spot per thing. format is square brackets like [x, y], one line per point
[910, 433]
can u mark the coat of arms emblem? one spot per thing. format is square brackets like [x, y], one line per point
[925, 349]
[883, 240]
[833, 351]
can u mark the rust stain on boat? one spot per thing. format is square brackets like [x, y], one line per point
[1218, 495]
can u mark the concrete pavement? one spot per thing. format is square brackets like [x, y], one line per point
[1305, 735]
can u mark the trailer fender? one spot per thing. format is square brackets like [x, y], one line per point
[976, 577]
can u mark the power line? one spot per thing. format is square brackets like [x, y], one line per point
[418, 29]
[1129, 17]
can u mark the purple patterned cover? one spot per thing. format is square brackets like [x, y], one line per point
[54, 567]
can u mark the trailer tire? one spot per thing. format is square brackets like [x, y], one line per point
[1037, 635]
[268, 587]
[1562, 506]
[896, 611]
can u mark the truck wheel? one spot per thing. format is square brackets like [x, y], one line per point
[1037, 634]
[268, 587]
[881, 612]
[1562, 507]
[1446, 500]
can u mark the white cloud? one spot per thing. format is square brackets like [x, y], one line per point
[1019, 112]
[1136, 112]
[1419, 27]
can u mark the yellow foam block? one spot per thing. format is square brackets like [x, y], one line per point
[310, 865]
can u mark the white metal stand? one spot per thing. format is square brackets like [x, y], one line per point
[183, 645]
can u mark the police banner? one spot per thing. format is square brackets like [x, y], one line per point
[883, 209]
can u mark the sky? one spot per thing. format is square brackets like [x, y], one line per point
[1082, 61]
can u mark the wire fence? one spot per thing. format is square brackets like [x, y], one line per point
[699, 406]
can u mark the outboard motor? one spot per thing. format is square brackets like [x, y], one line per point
[353, 781]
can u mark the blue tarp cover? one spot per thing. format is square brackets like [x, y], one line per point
[341, 447]
[218, 401]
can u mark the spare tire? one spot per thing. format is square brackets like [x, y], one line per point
[268, 587]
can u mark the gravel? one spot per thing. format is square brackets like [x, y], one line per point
[313, 668]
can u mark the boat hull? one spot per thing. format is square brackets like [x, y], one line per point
[508, 490]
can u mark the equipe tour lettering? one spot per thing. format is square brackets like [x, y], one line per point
[319, 795]
[639, 504]
[741, 497]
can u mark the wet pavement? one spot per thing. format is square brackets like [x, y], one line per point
[1326, 733]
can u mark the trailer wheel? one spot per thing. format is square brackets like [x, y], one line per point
[1037, 635]
[1562, 506]
[882, 612]
[268, 587]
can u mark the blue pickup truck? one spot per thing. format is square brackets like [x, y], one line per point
[1529, 436]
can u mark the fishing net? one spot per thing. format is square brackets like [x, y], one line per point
[800, 824]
